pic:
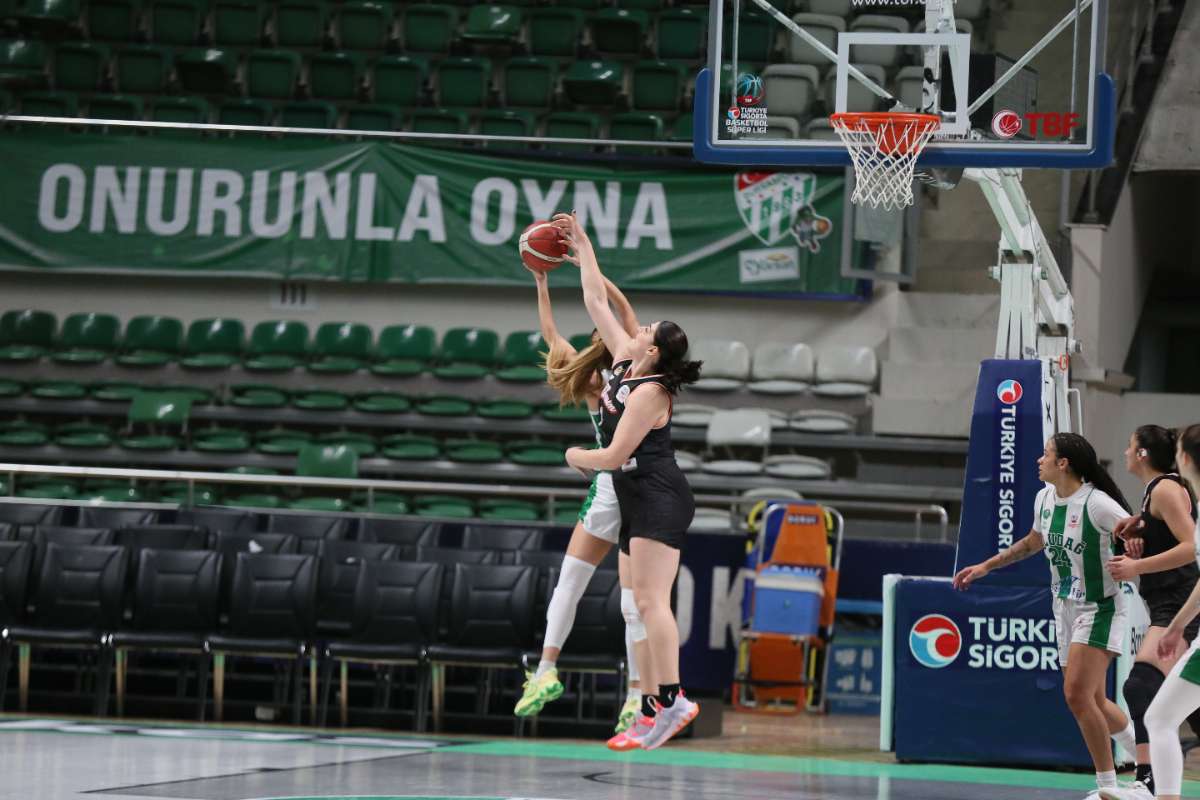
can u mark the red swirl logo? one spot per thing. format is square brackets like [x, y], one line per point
[1006, 124]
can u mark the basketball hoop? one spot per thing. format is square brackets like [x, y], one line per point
[884, 147]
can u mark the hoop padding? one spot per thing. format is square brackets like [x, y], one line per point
[884, 147]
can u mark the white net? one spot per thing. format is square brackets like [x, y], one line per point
[884, 149]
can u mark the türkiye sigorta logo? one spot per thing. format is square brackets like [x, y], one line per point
[747, 115]
[1023, 643]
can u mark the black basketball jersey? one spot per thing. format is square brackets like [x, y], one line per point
[1159, 539]
[657, 443]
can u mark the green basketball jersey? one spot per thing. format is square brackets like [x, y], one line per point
[1078, 535]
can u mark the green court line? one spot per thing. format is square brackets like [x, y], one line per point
[1034, 779]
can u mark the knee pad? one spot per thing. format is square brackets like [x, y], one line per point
[1140, 687]
[633, 620]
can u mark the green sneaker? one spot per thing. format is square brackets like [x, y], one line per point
[629, 713]
[538, 692]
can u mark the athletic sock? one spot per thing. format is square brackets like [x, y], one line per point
[1146, 776]
[633, 694]
[1106, 780]
[667, 692]
[648, 708]
[544, 666]
[1126, 738]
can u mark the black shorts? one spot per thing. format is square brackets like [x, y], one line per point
[1165, 603]
[656, 503]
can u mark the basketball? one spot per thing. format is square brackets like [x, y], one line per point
[541, 247]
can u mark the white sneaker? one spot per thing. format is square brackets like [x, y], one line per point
[1130, 791]
[670, 721]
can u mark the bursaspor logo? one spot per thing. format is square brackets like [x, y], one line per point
[935, 641]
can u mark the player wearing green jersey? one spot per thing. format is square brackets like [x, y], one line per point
[1073, 523]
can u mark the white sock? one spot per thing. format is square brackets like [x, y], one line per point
[633, 694]
[1106, 780]
[1126, 739]
[630, 656]
[544, 666]
[560, 616]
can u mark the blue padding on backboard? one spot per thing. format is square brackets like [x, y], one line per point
[1101, 154]
[865, 561]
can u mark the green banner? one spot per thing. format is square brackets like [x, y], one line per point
[372, 211]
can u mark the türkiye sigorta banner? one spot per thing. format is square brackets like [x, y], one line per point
[379, 211]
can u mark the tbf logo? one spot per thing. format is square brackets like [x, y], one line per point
[1050, 124]
[935, 641]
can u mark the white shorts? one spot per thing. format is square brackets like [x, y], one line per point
[601, 513]
[1097, 624]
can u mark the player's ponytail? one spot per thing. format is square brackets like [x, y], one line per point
[1159, 444]
[1189, 444]
[672, 345]
[571, 373]
[1086, 465]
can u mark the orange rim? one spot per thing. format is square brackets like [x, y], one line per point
[890, 127]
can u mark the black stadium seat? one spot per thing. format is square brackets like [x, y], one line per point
[310, 529]
[341, 580]
[218, 519]
[15, 560]
[101, 517]
[501, 537]
[26, 515]
[406, 532]
[230, 544]
[44, 535]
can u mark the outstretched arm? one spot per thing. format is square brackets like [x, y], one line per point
[1032, 543]
[623, 307]
[545, 314]
[595, 293]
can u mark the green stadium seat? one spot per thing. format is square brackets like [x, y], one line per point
[272, 74]
[114, 20]
[643, 5]
[373, 117]
[410, 447]
[433, 505]
[681, 34]
[341, 347]
[509, 510]
[26, 335]
[571, 125]
[681, 131]
[594, 83]
[238, 23]
[320, 400]
[566, 512]
[79, 66]
[307, 114]
[636, 126]
[215, 343]
[21, 433]
[439, 120]
[506, 123]
[7, 104]
[216, 439]
[383, 503]
[281, 441]
[114, 391]
[381, 403]
[83, 436]
[251, 495]
[180, 109]
[50, 104]
[301, 23]
[87, 338]
[177, 22]
[156, 421]
[48, 489]
[529, 82]
[473, 451]
[10, 388]
[467, 353]
[361, 443]
[399, 80]
[504, 408]
[586, 5]
[492, 24]
[403, 351]
[143, 69]
[276, 346]
[257, 395]
[756, 37]
[555, 32]
[620, 31]
[536, 453]
[151, 341]
[444, 405]
[658, 86]
[22, 63]
[115, 106]
[110, 492]
[324, 461]
[335, 76]
[363, 25]
[245, 112]
[555, 413]
[177, 492]
[521, 361]
[52, 18]
[58, 390]
[464, 82]
[207, 71]
[429, 28]
[581, 341]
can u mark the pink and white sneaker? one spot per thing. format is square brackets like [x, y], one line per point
[669, 722]
[630, 738]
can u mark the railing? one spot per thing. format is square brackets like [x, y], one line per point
[552, 494]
